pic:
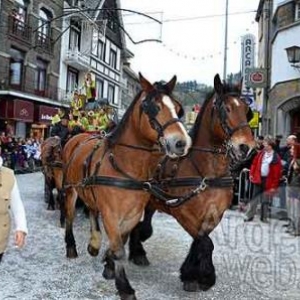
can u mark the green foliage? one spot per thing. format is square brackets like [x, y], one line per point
[191, 92]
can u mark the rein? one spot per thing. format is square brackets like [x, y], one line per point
[55, 164]
[139, 147]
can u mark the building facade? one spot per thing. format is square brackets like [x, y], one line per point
[92, 42]
[279, 29]
[130, 82]
[29, 65]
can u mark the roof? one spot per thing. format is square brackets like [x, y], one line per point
[259, 10]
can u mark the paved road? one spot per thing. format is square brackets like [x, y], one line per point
[253, 261]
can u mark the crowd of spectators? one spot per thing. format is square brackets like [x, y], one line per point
[19, 154]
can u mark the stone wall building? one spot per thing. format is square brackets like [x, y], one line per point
[282, 95]
[29, 65]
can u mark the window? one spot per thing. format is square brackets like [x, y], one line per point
[16, 67]
[21, 11]
[74, 39]
[41, 77]
[18, 19]
[111, 94]
[72, 80]
[95, 42]
[113, 58]
[45, 22]
[99, 89]
[297, 11]
[97, 46]
[100, 50]
[44, 30]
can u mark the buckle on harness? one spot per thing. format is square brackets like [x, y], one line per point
[203, 184]
[147, 186]
[172, 201]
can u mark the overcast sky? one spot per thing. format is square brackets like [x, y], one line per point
[192, 34]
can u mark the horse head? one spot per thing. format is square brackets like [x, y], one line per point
[233, 114]
[153, 118]
[160, 117]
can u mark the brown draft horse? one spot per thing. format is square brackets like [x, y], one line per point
[110, 175]
[52, 169]
[51, 157]
[197, 189]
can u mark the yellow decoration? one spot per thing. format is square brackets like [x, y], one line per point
[55, 119]
[254, 122]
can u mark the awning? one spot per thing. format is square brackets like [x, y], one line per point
[45, 113]
[17, 109]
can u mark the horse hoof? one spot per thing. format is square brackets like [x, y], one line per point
[71, 253]
[108, 273]
[191, 286]
[92, 251]
[204, 286]
[127, 296]
[140, 260]
[50, 207]
[62, 224]
[207, 282]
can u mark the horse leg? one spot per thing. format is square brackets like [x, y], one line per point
[117, 255]
[198, 271]
[109, 266]
[95, 240]
[50, 196]
[61, 200]
[139, 234]
[70, 200]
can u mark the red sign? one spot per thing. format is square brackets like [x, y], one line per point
[18, 110]
[45, 113]
[256, 77]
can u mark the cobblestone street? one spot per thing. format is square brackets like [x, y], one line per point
[253, 260]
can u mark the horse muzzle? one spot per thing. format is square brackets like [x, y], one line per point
[176, 146]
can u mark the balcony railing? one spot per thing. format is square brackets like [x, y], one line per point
[77, 59]
[19, 29]
[44, 42]
[50, 92]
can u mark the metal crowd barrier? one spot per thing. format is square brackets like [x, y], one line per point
[244, 192]
[245, 187]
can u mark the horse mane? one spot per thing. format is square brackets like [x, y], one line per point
[228, 88]
[113, 136]
[48, 146]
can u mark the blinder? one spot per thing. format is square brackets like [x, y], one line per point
[151, 109]
[221, 109]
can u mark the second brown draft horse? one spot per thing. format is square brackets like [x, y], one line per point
[52, 169]
[197, 189]
[110, 175]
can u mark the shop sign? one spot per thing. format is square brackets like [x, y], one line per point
[19, 110]
[46, 113]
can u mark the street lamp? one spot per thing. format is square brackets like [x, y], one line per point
[293, 54]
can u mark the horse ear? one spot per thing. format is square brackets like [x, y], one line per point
[218, 84]
[171, 84]
[146, 85]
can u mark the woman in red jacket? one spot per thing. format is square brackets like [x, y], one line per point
[265, 174]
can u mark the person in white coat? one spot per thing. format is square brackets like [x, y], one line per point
[11, 205]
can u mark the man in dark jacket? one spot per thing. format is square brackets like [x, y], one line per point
[61, 129]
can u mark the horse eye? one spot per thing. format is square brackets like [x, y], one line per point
[228, 109]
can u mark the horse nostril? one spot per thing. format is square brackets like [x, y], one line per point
[180, 144]
[244, 148]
